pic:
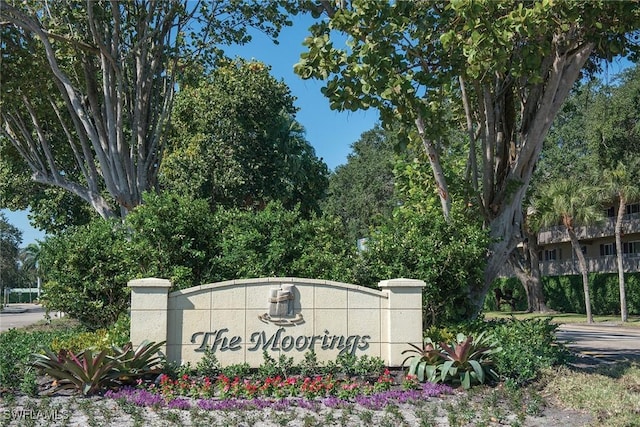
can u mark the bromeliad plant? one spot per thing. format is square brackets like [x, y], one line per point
[90, 371]
[424, 360]
[84, 372]
[465, 361]
[134, 364]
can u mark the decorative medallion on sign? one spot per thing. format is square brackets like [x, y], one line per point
[281, 307]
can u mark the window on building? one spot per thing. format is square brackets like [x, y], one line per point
[633, 209]
[610, 212]
[551, 255]
[607, 249]
[631, 248]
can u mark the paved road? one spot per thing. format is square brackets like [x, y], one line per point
[19, 315]
[601, 342]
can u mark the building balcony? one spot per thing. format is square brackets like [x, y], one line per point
[558, 234]
[606, 264]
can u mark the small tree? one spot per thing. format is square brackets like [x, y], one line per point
[10, 239]
[362, 191]
[571, 205]
[234, 141]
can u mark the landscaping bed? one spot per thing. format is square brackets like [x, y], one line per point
[349, 391]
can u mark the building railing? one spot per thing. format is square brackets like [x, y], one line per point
[606, 264]
[558, 234]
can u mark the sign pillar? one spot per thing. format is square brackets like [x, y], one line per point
[149, 315]
[401, 317]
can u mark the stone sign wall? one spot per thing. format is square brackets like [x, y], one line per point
[239, 319]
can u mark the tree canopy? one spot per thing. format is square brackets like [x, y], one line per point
[236, 143]
[362, 191]
[102, 76]
[501, 70]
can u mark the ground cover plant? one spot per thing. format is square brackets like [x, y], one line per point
[16, 347]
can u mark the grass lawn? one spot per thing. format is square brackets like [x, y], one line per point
[633, 321]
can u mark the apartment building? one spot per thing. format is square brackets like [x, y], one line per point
[598, 245]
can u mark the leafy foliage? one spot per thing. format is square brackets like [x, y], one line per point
[87, 270]
[116, 334]
[519, 350]
[527, 347]
[132, 364]
[235, 142]
[208, 365]
[361, 192]
[424, 360]
[174, 237]
[564, 293]
[84, 372]
[16, 347]
[466, 360]
[448, 256]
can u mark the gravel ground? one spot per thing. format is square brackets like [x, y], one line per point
[458, 409]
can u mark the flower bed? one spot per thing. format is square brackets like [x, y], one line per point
[277, 393]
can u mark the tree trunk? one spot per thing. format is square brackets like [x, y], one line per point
[620, 258]
[583, 269]
[527, 270]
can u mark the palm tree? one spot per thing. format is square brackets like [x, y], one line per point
[569, 204]
[621, 185]
[30, 263]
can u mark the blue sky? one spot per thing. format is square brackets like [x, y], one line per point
[331, 133]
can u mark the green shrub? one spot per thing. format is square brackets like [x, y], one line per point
[448, 255]
[174, 237]
[87, 270]
[527, 347]
[208, 365]
[240, 370]
[16, 347]
[101, 339]
[369, 366]
[309, 366]
[280, 242]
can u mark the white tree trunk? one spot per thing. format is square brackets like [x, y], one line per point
[620, 258]
[582, 262]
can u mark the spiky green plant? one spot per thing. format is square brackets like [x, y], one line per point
[423, 360]
[132, 364]
[84, 372]
[467, 360]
